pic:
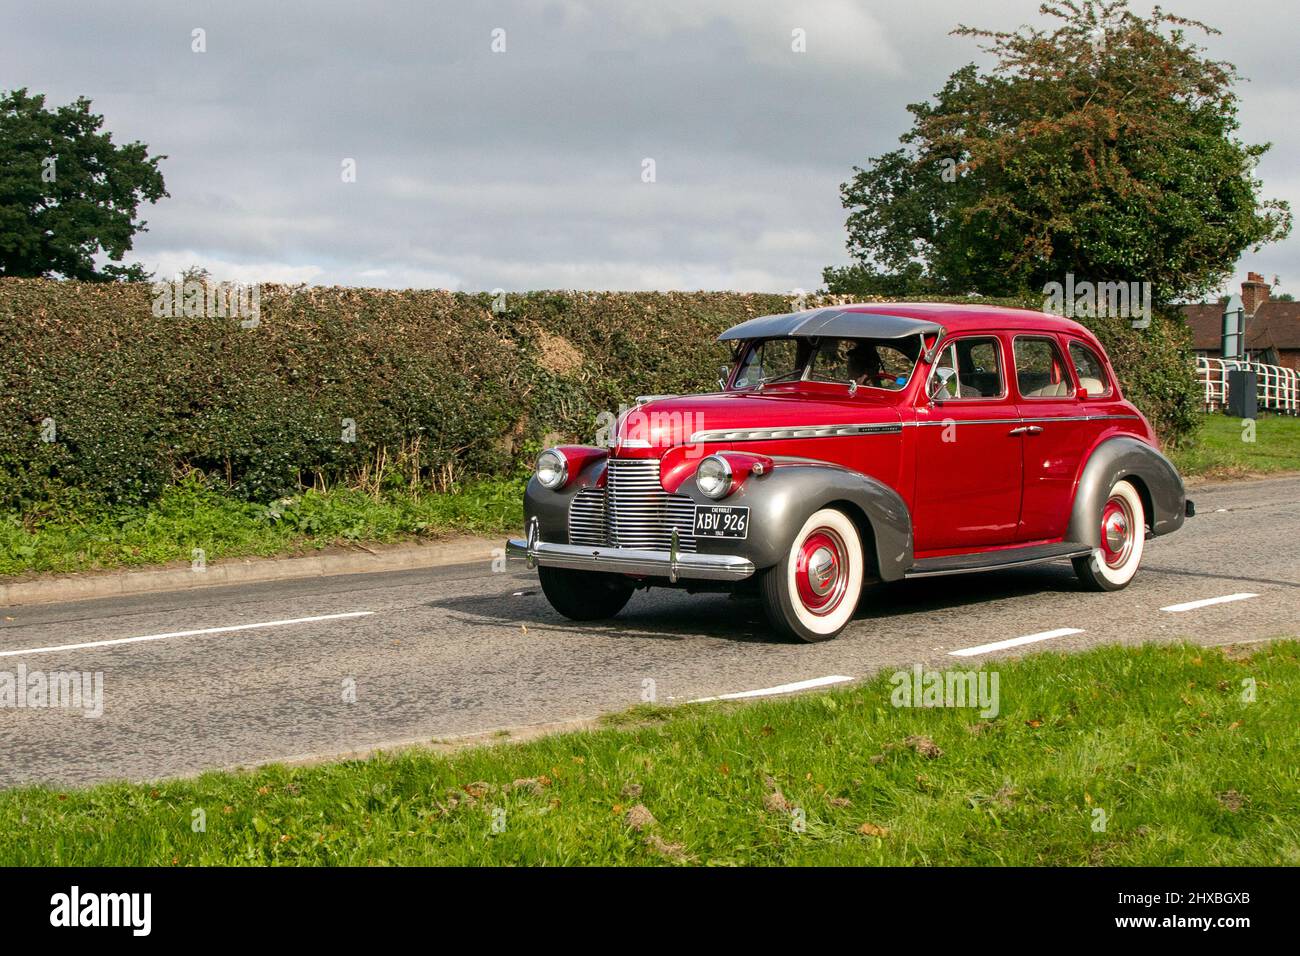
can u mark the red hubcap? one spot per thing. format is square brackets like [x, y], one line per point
[821, 571]
[1116, 532]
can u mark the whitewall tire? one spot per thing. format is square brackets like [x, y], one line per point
[812, 593]
[1123, 534]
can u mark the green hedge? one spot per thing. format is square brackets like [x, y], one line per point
[439, 386]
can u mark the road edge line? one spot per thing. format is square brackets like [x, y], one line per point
[88, 586]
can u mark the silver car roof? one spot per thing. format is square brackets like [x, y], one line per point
[833, 322]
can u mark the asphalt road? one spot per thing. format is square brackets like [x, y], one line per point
[460, 650]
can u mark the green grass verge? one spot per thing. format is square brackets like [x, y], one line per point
[189, 516]
[1157, 738]
[1219, 451]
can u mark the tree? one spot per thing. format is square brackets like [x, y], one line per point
[1104, 147]
[67, 192]
[861, 279]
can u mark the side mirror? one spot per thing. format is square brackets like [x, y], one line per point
[939, 383]
[1081, 394]
[722, 379]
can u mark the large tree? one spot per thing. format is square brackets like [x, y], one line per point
[1103, 147]
[67, 193]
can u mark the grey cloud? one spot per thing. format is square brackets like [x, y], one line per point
[522, 170]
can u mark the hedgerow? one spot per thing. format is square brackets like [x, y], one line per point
[101, 396]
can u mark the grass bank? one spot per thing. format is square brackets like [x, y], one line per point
[188, 516]
[1226, 447]
[1123, 755]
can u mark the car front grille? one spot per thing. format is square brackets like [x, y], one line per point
[587, 518]
[632, 510]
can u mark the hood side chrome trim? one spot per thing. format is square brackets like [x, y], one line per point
[796, 431]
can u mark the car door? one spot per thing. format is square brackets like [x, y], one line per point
[1054, 433]
[968, 461]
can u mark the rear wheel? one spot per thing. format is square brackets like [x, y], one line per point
[1123, 534]
[812, 594]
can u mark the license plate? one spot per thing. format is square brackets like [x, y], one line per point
[721, 521]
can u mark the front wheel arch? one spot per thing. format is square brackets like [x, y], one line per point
[866, 533]
[784, 498]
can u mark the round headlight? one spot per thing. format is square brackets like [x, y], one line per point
[552, 469]
[713, 477]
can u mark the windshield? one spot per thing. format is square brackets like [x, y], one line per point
[874, 363]
[771, 360]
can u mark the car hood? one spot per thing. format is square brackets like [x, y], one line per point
[661, 423]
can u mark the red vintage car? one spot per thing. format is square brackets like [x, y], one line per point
[856, 444]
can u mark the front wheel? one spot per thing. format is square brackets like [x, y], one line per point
[1123, 534]
[813, 592]
[585, 595]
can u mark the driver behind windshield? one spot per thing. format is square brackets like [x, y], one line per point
[873, 363]
[864, 364]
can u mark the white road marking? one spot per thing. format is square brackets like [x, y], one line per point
[1016, 642]
[202, 630]
[779, 689]
[1206, 602]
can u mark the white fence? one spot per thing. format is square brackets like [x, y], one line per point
[1277, 388]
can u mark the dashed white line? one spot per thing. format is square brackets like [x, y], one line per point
[1206, 602]
[1016, 642]
[779, 689]
[202, 630]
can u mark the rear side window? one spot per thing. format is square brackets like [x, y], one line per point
[975, 360]
[1040, 370]
[1089, 370]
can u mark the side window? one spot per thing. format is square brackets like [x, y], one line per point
[1040, 370]
[975, 361]
[1089, 370]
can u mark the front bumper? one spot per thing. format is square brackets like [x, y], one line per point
[660, 564]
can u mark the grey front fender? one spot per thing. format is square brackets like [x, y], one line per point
[1123, 457]
[551, 507]
[788, 495]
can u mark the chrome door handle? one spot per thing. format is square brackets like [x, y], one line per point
[1027, 430]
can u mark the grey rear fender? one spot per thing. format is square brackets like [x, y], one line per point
[781, 501]
[1154, 476]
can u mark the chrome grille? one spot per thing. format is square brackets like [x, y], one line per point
[587, 518]
[632, 511]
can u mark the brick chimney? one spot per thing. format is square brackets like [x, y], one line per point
[1254, 292]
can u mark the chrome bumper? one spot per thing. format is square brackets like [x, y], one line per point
[661, 564]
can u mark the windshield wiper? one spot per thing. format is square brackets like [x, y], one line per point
[769, 379]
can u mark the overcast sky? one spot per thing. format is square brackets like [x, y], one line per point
[523, 169]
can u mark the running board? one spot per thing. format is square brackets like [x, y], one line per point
[996, 560]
